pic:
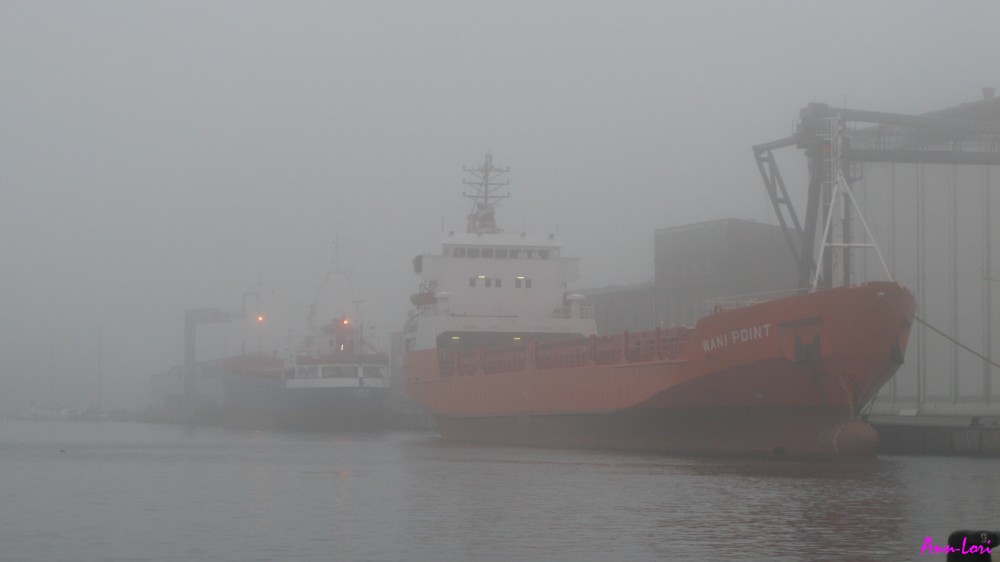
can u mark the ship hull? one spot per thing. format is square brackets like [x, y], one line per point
[751, 431]
[786, 376]
[266, 402]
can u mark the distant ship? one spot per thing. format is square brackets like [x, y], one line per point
[499, 352]
[335, 380]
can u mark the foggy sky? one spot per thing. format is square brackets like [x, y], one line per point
[160, 156]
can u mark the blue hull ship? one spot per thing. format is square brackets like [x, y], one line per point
[334, 382]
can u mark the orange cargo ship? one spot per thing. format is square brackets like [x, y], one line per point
[785, 373]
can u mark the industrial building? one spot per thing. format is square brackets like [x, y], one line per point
[695, 263]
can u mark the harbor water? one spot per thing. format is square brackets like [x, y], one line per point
[101, 491]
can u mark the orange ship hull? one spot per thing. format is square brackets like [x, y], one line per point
[787, 375]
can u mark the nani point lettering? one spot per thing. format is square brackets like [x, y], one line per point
[736, 336]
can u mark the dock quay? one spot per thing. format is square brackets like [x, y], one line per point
[974, 436]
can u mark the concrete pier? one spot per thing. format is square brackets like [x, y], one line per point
[938, 435]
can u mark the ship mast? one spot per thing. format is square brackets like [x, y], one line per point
[482, 218]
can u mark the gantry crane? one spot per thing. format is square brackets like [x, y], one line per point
[192, 318]
[835, 141]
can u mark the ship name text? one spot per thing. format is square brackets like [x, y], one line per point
[736, 336]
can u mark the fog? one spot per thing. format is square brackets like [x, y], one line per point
[161, 156]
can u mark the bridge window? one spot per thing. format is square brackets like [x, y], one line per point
[473, 252]
[487, 252]
[498, 283]
[501, 253]
[489, 282]
[543, 254]
[514, 254]
[458, 252]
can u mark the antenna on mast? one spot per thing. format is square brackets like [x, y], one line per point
[482, 219]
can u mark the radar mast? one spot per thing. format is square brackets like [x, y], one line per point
[482, 219]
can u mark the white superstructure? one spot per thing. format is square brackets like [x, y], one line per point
[494, 288]
[336, 356]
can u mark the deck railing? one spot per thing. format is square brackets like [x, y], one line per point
[722, 304]
[642, 347]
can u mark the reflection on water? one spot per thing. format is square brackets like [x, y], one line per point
[610, 505]
[100, 491]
